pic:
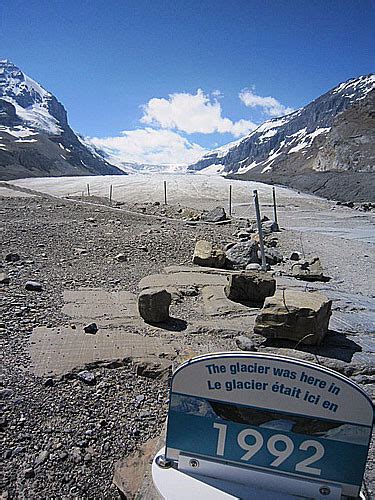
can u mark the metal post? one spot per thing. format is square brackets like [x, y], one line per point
[165, 192]
[274, 207]
[110, 193]
[260, 232]
[230, 199]
[88, 189]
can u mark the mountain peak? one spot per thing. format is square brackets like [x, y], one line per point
[35, 137]
[333, 133]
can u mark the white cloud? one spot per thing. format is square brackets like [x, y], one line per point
[157, 147]
[191, 114]
[270, 105]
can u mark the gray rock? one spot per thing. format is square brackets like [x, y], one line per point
[33, 286]
[253, 267]
[91, 328]
[121, 257]
[42, 457]
[87, 377]
[309, 270]
[295, 256]
[242, 254]
[4, 279]
[29, 473]
[153, 305]
[298, 316]
[216, 215]
[208, 255]
[153, 369]
[273, 256]
[250, 286]
[244, 235]
[269, 227]
[12, 257]
[245, 344]
[5, 393]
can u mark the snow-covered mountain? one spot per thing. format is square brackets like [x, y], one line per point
[327, 147]
[35, 137]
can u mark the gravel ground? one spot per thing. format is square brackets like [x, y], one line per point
[62, 437]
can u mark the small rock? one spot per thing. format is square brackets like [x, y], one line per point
[273, 256]
[12, 257]
[245, 344]
[311, 270]
[29, 473]
[295, 256]
[253, 267]
[4, 279]
[5, 393]
[33, 286]
[216, 215]
[80, 251]
[49, 382]
[42, 457]
[121, 257]
[208, 255]
[153, 369]
[91, 328]
[153, 305]
[87, 377]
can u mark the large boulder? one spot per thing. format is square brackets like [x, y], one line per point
[250, 286]
[242, 254]
[298, 316]
[208, 255]
[153, 305]
[216, 215]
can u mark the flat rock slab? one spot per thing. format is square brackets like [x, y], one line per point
[200, 270]
[105, 308]
[58, 351]
[215, 303]
[182, 279]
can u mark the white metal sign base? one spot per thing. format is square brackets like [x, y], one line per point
[194, 478]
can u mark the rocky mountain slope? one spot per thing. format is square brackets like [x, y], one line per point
[35, 137]
[327, 147]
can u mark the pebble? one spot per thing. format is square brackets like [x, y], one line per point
[87, 377]
[42, 457]
[4, 279]
[245, 344]
[91, 328]
[29, 473]
[12, 257]
[33, 286]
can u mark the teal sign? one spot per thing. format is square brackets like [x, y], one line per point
[273, 414]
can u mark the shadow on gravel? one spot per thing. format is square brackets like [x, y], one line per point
[335, 345]
[172, 325]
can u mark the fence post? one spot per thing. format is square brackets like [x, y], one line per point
[165, 192]
[260, 231]
[110, 194]
[274, 207]
[88, 189]
[230, 199]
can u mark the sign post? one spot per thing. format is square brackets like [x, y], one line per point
[252, 422]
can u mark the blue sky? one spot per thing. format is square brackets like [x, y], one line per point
[162, 81]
